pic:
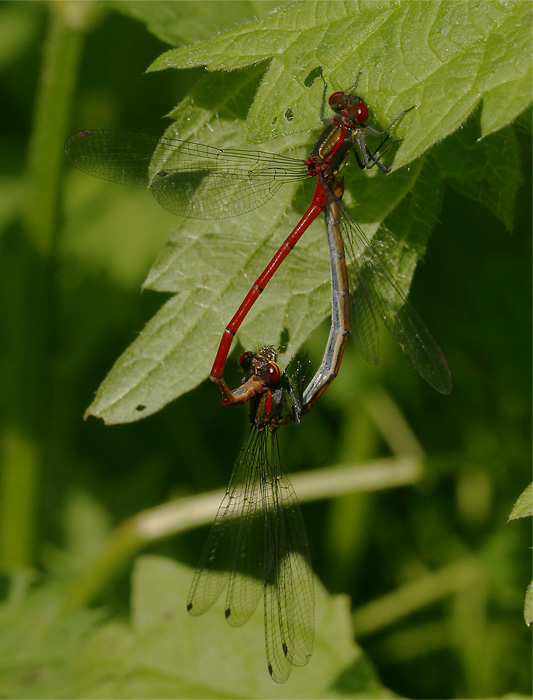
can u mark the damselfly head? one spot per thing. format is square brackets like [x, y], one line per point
[261, 366]
[351, 106]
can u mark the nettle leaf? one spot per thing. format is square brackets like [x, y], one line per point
[445, 57]
[525, 120]
[177, 23]
[487, 170]
[432, 55]
[523, 508]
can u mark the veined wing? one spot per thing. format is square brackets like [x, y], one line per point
[374, 282]
[233, 555]
[258, 544]
[289, 594]
[186, 178]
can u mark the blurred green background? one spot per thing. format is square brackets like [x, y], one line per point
[71, 304]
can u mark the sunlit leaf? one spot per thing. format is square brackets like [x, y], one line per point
[445, 57]
[211, 266]
[523, 508]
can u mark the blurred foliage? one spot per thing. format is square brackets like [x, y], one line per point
[435, 574]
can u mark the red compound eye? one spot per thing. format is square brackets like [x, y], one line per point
[273, 373]
[361, 113]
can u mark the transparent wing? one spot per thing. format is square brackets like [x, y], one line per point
[289, 594]
[373, 284]
[117, 156]
[188, 179]
[233, 553]
[258, 544]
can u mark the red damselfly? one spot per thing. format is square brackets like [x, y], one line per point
[205, 182]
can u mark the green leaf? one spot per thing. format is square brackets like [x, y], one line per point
[184, 656]
[39, 644]
[523, 508]
[445, 57]
[210, 266]
[485, 169]
[175, 23]
[525, 120]
[164, 652]
[528, 605]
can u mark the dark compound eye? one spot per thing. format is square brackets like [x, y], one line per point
[336, 100]
[333, 98]
[245, 360]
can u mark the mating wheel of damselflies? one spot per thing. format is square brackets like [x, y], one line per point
[206, 182]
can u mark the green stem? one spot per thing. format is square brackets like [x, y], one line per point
[55, 96]
[392, 424]
[187, 513]
[18, 498]
[23, 443]
[426, 590]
